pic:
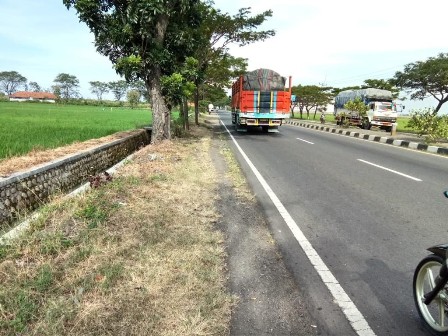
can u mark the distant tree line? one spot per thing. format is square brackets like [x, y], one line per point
[66, 87]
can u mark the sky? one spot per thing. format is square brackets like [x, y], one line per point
[317, 42]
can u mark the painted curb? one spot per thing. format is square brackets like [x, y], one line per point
[377, 138]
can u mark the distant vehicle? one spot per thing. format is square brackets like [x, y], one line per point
[259, 99]
[382, 110]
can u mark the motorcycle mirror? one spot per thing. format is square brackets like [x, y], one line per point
[446, 193]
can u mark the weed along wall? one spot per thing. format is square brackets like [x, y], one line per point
[26, 191]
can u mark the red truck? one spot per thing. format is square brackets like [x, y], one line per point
[260, 99]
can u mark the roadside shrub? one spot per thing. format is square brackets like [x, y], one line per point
[343, 120]
[3, 97]
[427, 123]
[356, 106]
[133, 97]
[177, 127]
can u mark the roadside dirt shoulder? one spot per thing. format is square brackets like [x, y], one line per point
[269, 301]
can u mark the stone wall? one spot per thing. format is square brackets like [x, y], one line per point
[26, 191]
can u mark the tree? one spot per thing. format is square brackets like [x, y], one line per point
[179, 87]
[310, 97]
[57, 91]
[133, 98]
[357, 106]
[424, 79]
[10, 81]
[118, 89]
[99, 88]
[67, 85]
[218, 76]
[427, 123]
[144, 40]
[35, 87]
[217, 31]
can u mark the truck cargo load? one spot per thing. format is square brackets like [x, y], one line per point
[263, 80]
[259, 99]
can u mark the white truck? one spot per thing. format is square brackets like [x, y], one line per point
[382, 111]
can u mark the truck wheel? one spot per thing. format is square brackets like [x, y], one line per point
[366, 125]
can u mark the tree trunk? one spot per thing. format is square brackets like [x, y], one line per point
[440, 103]
[182, 113]
[161, 115]
[186, 122]
[160, 112]
[196, 105]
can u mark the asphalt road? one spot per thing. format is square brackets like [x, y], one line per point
[369, 211]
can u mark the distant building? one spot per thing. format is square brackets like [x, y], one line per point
[28, 95]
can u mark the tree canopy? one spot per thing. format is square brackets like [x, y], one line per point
[311, 96]
[35, 87]
[144, 40]
[118, 89]
[218, 30]
[424, 79]
[10, 81]
[66, 86]
[357, 106]
[99, 88]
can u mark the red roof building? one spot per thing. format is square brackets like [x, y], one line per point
[28, 95]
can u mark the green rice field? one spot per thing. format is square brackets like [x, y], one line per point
[28, 126]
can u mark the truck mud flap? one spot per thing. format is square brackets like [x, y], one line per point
[240, 128]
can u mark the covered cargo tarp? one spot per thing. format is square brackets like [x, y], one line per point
[263, 80]
[365, 95]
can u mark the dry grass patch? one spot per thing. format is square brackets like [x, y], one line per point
[236, 175]
[138, 256]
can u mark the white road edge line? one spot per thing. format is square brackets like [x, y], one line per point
[351, 312]
[311, 143]
[390, 170]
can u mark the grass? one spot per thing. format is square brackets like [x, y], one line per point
[140, 255]
[26, 126]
